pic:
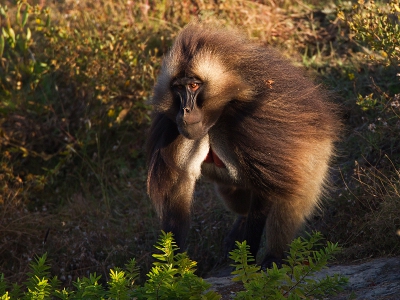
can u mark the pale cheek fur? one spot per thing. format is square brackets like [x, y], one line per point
[219, 78]
[211, 71]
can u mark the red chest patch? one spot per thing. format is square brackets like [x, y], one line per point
[212, 158]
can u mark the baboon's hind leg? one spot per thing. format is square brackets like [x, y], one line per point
[285, 218]
[289, 212]
[282, 225]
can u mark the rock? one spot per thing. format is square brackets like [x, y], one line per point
[375, 279]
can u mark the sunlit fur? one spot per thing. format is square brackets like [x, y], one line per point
[271, 126]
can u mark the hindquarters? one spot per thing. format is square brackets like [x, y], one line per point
[288, 212]
[281, 213]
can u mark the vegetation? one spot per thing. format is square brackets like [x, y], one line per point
[373, 144]
[172, 277]
[294, 280]
[75, 78]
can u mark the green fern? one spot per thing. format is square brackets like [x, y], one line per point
[39, 284]
[172, 276]
[295, 279]
[132, 272]
[122, 282]
[5, 296]
[241, 256]
[3, 285]
[168, 247]
[89, 288]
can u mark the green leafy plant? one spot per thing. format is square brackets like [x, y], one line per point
[73, 88]
[21, 67]
[245, 269]
[377, 27]
[171, 277]
[295, 279]
[40, 285]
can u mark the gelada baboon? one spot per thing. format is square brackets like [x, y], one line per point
[242, 116]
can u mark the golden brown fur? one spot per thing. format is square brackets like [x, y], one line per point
[272, 128]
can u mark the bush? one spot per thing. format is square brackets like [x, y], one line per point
[172, 277]
[378, 28]
[294, 280]
[69, 95]
[372, 182]
[73, 116]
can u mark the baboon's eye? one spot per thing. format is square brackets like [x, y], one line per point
[194, 86]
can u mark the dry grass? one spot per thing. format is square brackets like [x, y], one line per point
[375, 192]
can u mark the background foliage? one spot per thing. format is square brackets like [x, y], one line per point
[74, 80]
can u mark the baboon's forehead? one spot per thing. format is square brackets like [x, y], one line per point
[203, 63]
[202, 52]
[197, 62]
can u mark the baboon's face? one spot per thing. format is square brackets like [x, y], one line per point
[195, 85]
[188, 95]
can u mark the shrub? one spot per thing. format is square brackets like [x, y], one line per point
[370, 170]
[172, 277]
[73, 116]
[294, 280]
[378, 28]
[69, 94]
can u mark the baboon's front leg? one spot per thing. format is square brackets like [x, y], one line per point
[174, 166]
